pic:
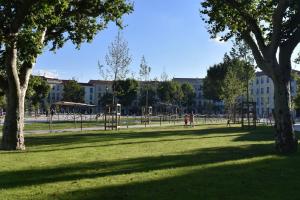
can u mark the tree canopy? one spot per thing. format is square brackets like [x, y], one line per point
[169, 92]
[38, 89]
[126, 91]
[73, 92]
[26, 27]
[272, 31]
[212, 83]
[189, 95]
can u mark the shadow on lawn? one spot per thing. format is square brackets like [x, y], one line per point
[63, 139]
[269, 178]
[99, 169]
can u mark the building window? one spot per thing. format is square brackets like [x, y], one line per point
[268, 80]
[257, 91]
[261, 90]
[91, 90]
[262, 101]
[251, 92]
[262, 80]
[268, 90]
[257, 81]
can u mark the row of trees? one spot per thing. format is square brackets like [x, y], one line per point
[124, 90]
[167, 92]
[229, 81]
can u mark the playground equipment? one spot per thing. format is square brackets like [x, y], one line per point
[168, 112]
[74, 111]
[146, 115]
[248, 114]
[112, 117]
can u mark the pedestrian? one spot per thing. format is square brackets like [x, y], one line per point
[192, 116]
[186, 119]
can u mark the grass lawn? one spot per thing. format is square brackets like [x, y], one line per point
[206, 162]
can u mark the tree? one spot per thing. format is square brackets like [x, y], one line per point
[73, 92]
[38, 89]
[126, 91]
[232, 88]
[117, 61]
[189, 95]
[106, 99]
[242, 52]
[150, 94]
[169, 92]
[2, 100]
[268, 27]
[144, 74]
[26, 27]
[212, 83]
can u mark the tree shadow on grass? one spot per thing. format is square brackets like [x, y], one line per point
[98, 169]
[269, 178]
[57, 139]
[120, 143]
[68, 141]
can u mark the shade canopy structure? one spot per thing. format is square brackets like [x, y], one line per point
[73, 104]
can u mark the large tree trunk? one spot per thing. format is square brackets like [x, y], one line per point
[13, 137]
[285, 139]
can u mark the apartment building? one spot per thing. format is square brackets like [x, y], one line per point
[262, 92]
[56, 90]
[202, 105]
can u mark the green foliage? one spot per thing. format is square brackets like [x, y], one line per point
[126, 91]
[189, 95]
[170, 92]
[232, 87]
[152, 95]
[2, 99]
[106, 99]
[296, 100]
[38, 89]
[235, 18]
[35, 24]
[73, 92]
[212, 84]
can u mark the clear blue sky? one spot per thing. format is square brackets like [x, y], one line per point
[170, 33]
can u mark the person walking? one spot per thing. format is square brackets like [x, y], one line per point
[192, 119]
[186, 119]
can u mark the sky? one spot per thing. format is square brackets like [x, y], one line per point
[169, 33]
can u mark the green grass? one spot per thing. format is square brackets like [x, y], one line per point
[207, 162]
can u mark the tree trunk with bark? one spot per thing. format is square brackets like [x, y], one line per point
[285, 138]
[13, 136]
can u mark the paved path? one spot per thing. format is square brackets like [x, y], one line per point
[96, 128]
